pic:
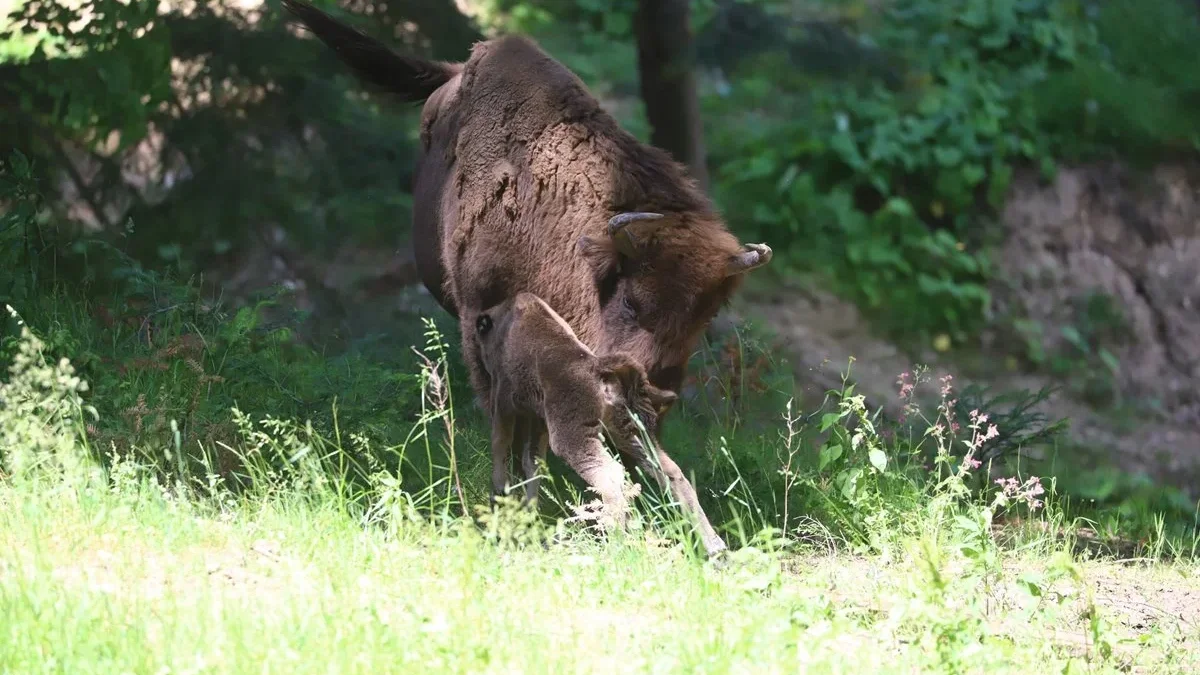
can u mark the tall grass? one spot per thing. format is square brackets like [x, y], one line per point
[316, 555]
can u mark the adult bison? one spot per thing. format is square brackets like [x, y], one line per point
[524, 183]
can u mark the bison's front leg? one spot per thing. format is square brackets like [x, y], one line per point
[578, 443]
[481, 382]
[670, 476]
[502, 440]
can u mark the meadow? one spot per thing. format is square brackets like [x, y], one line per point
[305, 561]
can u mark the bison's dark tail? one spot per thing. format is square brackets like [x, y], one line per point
[409, 78]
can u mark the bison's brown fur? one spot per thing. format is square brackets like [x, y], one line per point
[518, 176]
[545, 381]
[520, 169]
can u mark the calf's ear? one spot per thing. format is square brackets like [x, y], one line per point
[661, 399]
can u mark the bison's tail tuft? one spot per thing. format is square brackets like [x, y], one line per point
[409, 78]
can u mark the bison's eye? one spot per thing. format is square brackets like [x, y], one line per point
[483, 324]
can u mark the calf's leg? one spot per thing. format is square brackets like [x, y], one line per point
[578, 443]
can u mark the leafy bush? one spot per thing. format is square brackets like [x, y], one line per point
[1136, 93]
[167, 362]
[890, 191]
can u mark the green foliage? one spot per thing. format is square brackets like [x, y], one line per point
[167, 362]
[41, 412]
[22, 241]
[863, 485]
[1137, 94]
[887, 187]
[1097, 327]
[891, 191]
[109, 72]
[234, 123]
[139, 576]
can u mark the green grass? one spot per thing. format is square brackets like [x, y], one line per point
[131, 580]
[305, 563]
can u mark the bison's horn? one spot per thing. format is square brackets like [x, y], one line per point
[617, 229]
[751, 257]
[619, 221]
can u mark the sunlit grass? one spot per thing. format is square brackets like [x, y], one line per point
[130, 580]
[305, 566]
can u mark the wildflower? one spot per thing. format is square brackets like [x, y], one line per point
[971, 463]
[946, 386]
[1024, 492]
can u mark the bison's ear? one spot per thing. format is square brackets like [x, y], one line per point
[600, 256]
[661, 399]
[752, 256]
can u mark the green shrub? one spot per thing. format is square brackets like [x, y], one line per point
[1137, 93]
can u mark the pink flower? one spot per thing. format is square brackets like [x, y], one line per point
[1024, 492]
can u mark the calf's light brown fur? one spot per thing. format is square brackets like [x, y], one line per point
[548, 385]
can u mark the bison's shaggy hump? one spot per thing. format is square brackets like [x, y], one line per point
[515, 99]
[529, 136]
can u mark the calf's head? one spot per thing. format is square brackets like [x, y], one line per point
[662, 279]
[627, 390]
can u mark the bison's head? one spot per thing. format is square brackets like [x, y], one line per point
[661, 281]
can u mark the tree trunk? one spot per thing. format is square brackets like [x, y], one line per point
[666, 64]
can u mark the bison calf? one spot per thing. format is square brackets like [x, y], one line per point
[545, 382]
